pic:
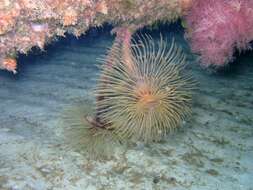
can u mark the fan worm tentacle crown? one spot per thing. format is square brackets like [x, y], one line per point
[150, 97]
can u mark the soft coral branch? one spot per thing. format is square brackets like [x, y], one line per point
[217, 28]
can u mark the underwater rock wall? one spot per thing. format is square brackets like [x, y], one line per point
[26, 23]
[215, 29]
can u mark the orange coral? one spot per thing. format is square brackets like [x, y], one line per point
[29, 4]
[7, 18]
[102, 7]
[70, 17]
[10, 64]
[5, 24]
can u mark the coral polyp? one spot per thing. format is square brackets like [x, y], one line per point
[146, 90]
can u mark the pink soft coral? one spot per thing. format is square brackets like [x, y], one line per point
[217, 27]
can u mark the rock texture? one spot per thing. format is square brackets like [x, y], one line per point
[26, 23]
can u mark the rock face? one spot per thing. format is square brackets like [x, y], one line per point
[215, 29]
[26, 23]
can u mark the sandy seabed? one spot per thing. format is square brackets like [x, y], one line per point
[212, 151]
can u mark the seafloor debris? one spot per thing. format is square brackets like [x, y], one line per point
[28, 23]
